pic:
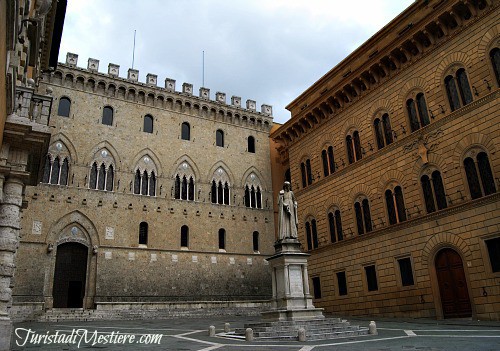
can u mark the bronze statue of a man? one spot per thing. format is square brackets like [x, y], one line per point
[287, 213]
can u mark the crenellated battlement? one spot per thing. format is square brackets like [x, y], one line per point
[149, 92]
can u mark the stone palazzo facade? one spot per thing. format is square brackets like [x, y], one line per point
[147, 195]
[393, 158]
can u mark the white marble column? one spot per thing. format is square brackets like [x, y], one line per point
[9, 242]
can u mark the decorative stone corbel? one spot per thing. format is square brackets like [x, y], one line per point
[50, 248]
[95, 249]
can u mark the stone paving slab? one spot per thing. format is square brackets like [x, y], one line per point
[191, 334]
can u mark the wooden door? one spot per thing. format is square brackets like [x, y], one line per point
[452, 285]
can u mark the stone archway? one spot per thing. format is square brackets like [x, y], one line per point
[72, 240]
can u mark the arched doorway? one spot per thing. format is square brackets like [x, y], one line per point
[452, 284]
[70, 275]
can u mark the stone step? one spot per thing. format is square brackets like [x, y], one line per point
[308, 332]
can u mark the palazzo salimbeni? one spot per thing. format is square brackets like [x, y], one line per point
[150, 196]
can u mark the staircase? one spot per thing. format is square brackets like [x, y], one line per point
[316, 329]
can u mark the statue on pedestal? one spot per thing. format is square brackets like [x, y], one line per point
[287, 213]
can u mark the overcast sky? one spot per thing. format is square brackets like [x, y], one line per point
[265, 50]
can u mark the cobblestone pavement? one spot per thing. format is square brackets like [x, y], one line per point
[192, 334]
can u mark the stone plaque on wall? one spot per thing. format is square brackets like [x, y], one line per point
[296, 285]
[108, 255]
[110, 233]
[131, 256]
[37, 228]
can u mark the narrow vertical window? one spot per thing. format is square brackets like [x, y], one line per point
[143, 233]
[350, 149]
[184, 236]
[428, 197]
[255, 241]
[391, 211]
[226, 194]
[309, 172]
[422, 110]
[464, 87]
[338, 224]
[359, 218]
[316, 287]
[259, 198]
[357, 145]
[251, 144]
[213, 192]
[303, 174]
[101, 177]
[324, 159]
[331, 160]
[493, 246]
[451, 91]
[177, 187]
[412, 113]
[148, 124]
[107, 116]
[64, 172]
[378, 133]
[487, 179]
[185, 131]
[110, 175]
[191, 189]
[371, 278]
[219, 138]
[406, 271]
[247, 196]
[437, 183]
[472, 178]
[64, 107]
[387, 129]
[184, 188]
[54, 178]
[367, 215]
[222, 239]
[400, 204]
[144, 183]
[308, 236]
[331, 224]
[152, 184]
[220, 194]
[93, 176]
[137, 182]
[314, 234]
[495, 62]
[342, 283]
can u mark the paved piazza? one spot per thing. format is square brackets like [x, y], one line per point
[192, 334]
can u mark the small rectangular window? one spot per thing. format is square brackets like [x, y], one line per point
[406, 271]
[342, 283]
[316, 287]
[494, 253]
[371, 278]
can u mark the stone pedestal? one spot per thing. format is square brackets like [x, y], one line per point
[291, 298]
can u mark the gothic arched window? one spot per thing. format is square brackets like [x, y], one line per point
[394, 201]
[55, 172]
[311, 234]
[433, 190]
[328, 161]
[353, 145]
[363, 215]
[383, 131]
[335, 226]
[458, 89]
[479, 175]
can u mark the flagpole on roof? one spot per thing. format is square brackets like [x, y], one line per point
[133, 51]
